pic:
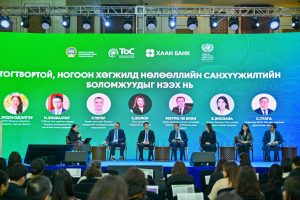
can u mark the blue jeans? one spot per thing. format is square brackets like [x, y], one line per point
[276, 151]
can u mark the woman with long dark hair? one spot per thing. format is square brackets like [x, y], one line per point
[208, 139]
[244, 139]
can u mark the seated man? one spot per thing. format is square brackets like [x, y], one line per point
[177, 138]
[146, 139]
[116, 138]
[272, 138]
[39, 188]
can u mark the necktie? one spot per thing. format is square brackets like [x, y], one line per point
[176, 135]
[146, 137]
[180, 111]
[264, 112]
[116, 135]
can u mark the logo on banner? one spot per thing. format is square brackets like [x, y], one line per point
[150, 53]
[71, 52]
[121, 53]
[207, 50]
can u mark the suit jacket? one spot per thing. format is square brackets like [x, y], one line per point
[208, 137]
[182, 135]
[259, 111]
[137, 111]
[151, 136]
[267, 137]
[111, 134]
[62, 111]
[186, 110]
[15, 192]
[249, 137]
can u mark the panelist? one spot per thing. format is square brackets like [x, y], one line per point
[208, 139]
[244, 139]
[177, 138]
[116, 138]
[146, 139]
[272, 138]
[74, 137]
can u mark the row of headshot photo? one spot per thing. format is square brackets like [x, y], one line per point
[140, 104]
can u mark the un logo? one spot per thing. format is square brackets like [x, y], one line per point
[207, 47]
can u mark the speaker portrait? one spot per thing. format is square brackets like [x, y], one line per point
[57, 103]
[181, 104]
[140, 104]
[98, 104]
[222, 104]
[16, 103]
[264, 104]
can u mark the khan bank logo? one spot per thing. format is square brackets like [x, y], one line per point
[150, 53]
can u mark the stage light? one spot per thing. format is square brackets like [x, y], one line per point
[295, 22]
[127, 21]
[46, 22]
[25, 21]
[233, 23]
[192, 22]
[275, 23]
[172, 22]
[213, 22]
[66, 21]
[5, 22]
[255, 23]
[86, 22]
[151, 22]
[107, 21]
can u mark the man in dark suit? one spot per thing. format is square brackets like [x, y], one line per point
[263, 107]
[177, 138]
[146, 139]
[272, 138]
[57, 102]
[181, 108]
[116, 138]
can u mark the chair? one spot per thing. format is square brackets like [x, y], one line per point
[236, 141]
[204, 179]
[83, 187]
[217, 146]
[185, 155]
[145, 148]
[272, 149]
[117, 148]
[81, 195]
[224, 190]
[68, 140]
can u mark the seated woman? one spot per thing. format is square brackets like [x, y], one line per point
[92, 174]
[74, 137]
[244, 139]
[136, 183]
[208, 139]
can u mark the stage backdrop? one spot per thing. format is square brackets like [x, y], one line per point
[100, 79]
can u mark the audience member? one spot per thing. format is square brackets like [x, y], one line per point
[14, 158]
[247, 185]
[286, 165]
[3, 183]
[217, 175]
[296, 162]
[272, 189]
[38, 188]
[136, 183]
[3, 164]
[62, 185]
[229, 196]
[91, 175]
[245, 160]
[230, 170]
[109, 188]
[17, 175]
[37, 168]
[291, 188]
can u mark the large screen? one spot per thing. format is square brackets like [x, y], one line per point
[50, 81]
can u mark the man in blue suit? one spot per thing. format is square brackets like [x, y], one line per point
[177, 138]
[116, 138]
[58, 102]
[272, 138]
[263, 107]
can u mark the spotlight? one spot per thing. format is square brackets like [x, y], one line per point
[127, 23]
[66, 21]
[295, 22]
[25, 21]
[255, 23]
[151, 22]
[86, 23]
[233, 23]
[46, 22]
[107, 21]
[5, 22]
[192, 22]
[275, 23]
[172, 22]
[213, 22]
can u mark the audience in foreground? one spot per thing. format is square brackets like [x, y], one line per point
[136, 183]
[39, 188]
[3, 183]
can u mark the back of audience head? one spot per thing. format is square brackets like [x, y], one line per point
[275, 176]
[179, 168]
[14, 158]
[286, 164]
[38, 188]
[96, 163]
[136, 182]
[220, 164]
[291, 188]
[229, 196]
[3, 164]
[18, 173]
[93, 172]
[109, 188]
[37, 166]
[296, 162]
[3, 182]
[247, 183]
[62, 185]
[245, 160]
[230, 170]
